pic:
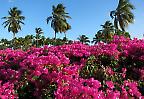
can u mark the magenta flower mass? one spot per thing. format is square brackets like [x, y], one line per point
[74, 71]
[71, 57]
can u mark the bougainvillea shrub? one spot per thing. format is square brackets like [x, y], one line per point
[74, 71]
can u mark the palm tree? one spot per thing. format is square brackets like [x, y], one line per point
[96, 38]
[83, 39]
[107, 31]
[38, 32]
[105, 34]
[107, 28]
[42, 41]
[122, 15]
[58, 19]
[13, 21]
[99, 36]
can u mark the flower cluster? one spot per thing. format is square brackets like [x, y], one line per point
[102, 71]
[7, 91]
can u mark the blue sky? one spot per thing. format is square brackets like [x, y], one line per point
[87, 16]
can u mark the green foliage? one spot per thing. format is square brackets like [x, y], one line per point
[92, 69]
[96, 67]
[28, 41]
[58, 42]
[48, 93]
[141, 87]
[4, 43]
[131, 64]
[122, 33]
[26, 90]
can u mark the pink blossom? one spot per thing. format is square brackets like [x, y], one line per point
[110, 84]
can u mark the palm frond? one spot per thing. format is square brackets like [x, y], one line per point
[116, 23]
[48, 19]
[14, 20]
[112, 14]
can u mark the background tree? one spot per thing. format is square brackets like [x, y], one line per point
[98, 37]
[47, 41]
[30, 38]
[28, 42]
[13, 21]
[4, 43]
[59, 19]
[106, 34]
[122, 15]
[84, 39]
[38, 31]
[19, 43]
[107, 29]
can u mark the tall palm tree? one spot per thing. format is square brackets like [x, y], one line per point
[122, 15]
[59, 19]
[38, 32]
[84, 39]
[13, 21]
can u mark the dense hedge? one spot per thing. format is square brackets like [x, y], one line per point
[74, 71]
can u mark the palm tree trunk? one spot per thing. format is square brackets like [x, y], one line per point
[13, 41]
[36, 42]
[37, 37]
[55, 36]
[65, 35]
[14, 36]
